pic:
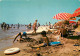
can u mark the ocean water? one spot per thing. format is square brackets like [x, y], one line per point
[6, 37]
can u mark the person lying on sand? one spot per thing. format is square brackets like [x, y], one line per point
[21, 34]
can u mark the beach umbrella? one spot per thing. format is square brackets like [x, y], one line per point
[78, 9]
[59, 23]
[76, 13]
[72, 22]
[62, 16]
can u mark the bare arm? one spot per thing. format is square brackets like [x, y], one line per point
[16, 37]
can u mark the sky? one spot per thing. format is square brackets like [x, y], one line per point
[27, 11]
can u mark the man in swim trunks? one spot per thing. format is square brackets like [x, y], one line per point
[34, 26]
[45, 40]
[21, 34]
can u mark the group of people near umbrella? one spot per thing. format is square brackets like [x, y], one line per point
[60, 16]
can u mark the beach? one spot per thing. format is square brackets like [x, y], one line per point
[39, 27]
[66, 48]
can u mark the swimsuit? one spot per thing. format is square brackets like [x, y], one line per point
[24, 33]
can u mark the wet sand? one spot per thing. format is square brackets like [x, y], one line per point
[7, 36]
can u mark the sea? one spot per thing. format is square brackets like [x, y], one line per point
[7, 36]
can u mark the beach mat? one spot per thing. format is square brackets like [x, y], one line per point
[54, 43]
[44, 44]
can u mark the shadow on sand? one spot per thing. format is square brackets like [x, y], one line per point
[73, 37]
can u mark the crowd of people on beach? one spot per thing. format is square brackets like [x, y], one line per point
[63, 30]
[5, 26]
[34, 27]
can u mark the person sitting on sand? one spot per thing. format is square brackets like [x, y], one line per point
[45, 38]
[34, 26]
[21, 34]
[63, 31]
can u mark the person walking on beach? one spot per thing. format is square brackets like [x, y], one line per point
[7, 26]
[34, 26]
[21, 34]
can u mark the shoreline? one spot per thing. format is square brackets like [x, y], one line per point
[61, 50]
[66, 48]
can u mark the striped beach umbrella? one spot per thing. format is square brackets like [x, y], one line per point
[62, 16]
[76, 13]
[78, 9]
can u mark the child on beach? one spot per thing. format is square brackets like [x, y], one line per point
[45, 38]
[21, 34]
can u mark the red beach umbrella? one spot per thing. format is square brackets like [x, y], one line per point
[72, 22]
[77, 10]
[76, 13]
[62, 16]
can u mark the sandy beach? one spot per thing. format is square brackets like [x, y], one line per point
[66, 48]
[39, 27]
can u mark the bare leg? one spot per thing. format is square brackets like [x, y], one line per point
[34, 31]
[21, 37]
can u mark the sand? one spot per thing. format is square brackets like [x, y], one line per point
[77, 29]
[66, 48]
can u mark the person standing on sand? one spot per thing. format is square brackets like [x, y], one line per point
[63, 31]
[34, 26]
[7, 26]
[2, 26]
